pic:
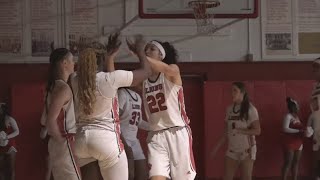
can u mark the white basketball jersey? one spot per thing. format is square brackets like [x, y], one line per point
[66, 119]
[315, 116]
[315, 98]
[314, 122]
[240, 142]
[105, 110]
[316, 90]
[130, 112]
[164, 104]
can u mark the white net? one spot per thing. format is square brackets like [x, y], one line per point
[204, 20]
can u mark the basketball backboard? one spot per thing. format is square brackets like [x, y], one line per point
[179, 9]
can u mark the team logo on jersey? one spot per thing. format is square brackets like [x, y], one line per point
[234, 118]
[135, 106]
[153, 88]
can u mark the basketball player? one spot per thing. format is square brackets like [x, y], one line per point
[293, 140]
[242, 125]
[60, 117]
[169, 141]
[130, 110]
[314, 119]
[98, 135]
[8, 131]
[130, 120]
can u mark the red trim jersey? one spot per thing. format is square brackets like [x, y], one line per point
[164, 103]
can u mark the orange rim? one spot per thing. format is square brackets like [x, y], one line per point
[204, 4]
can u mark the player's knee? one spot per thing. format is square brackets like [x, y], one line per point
[158, 178]
[246, 177]
[294, 165]
[295, 161]
[288, 163]
[228, 176]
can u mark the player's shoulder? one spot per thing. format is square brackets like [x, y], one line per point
[121, 92]
[252, 107]
[61, 88]
[288, 116]
[133, 94]
[10, 119]
[102, 75]
[128, 90]
[253, 111]
[174, 66]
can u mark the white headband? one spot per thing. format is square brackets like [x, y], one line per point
[160, 47]
[294, 101]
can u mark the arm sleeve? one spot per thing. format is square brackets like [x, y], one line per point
[286, 124]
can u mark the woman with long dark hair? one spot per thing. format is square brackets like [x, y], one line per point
[293, 140]
[242, 125]
[170, 153]
[314, 120]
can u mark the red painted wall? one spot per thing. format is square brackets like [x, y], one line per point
[13, 73]
[263, 77]
[27, 104]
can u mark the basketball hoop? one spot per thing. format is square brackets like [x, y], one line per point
[204, 20]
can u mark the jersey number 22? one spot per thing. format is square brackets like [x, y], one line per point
[156, 103]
